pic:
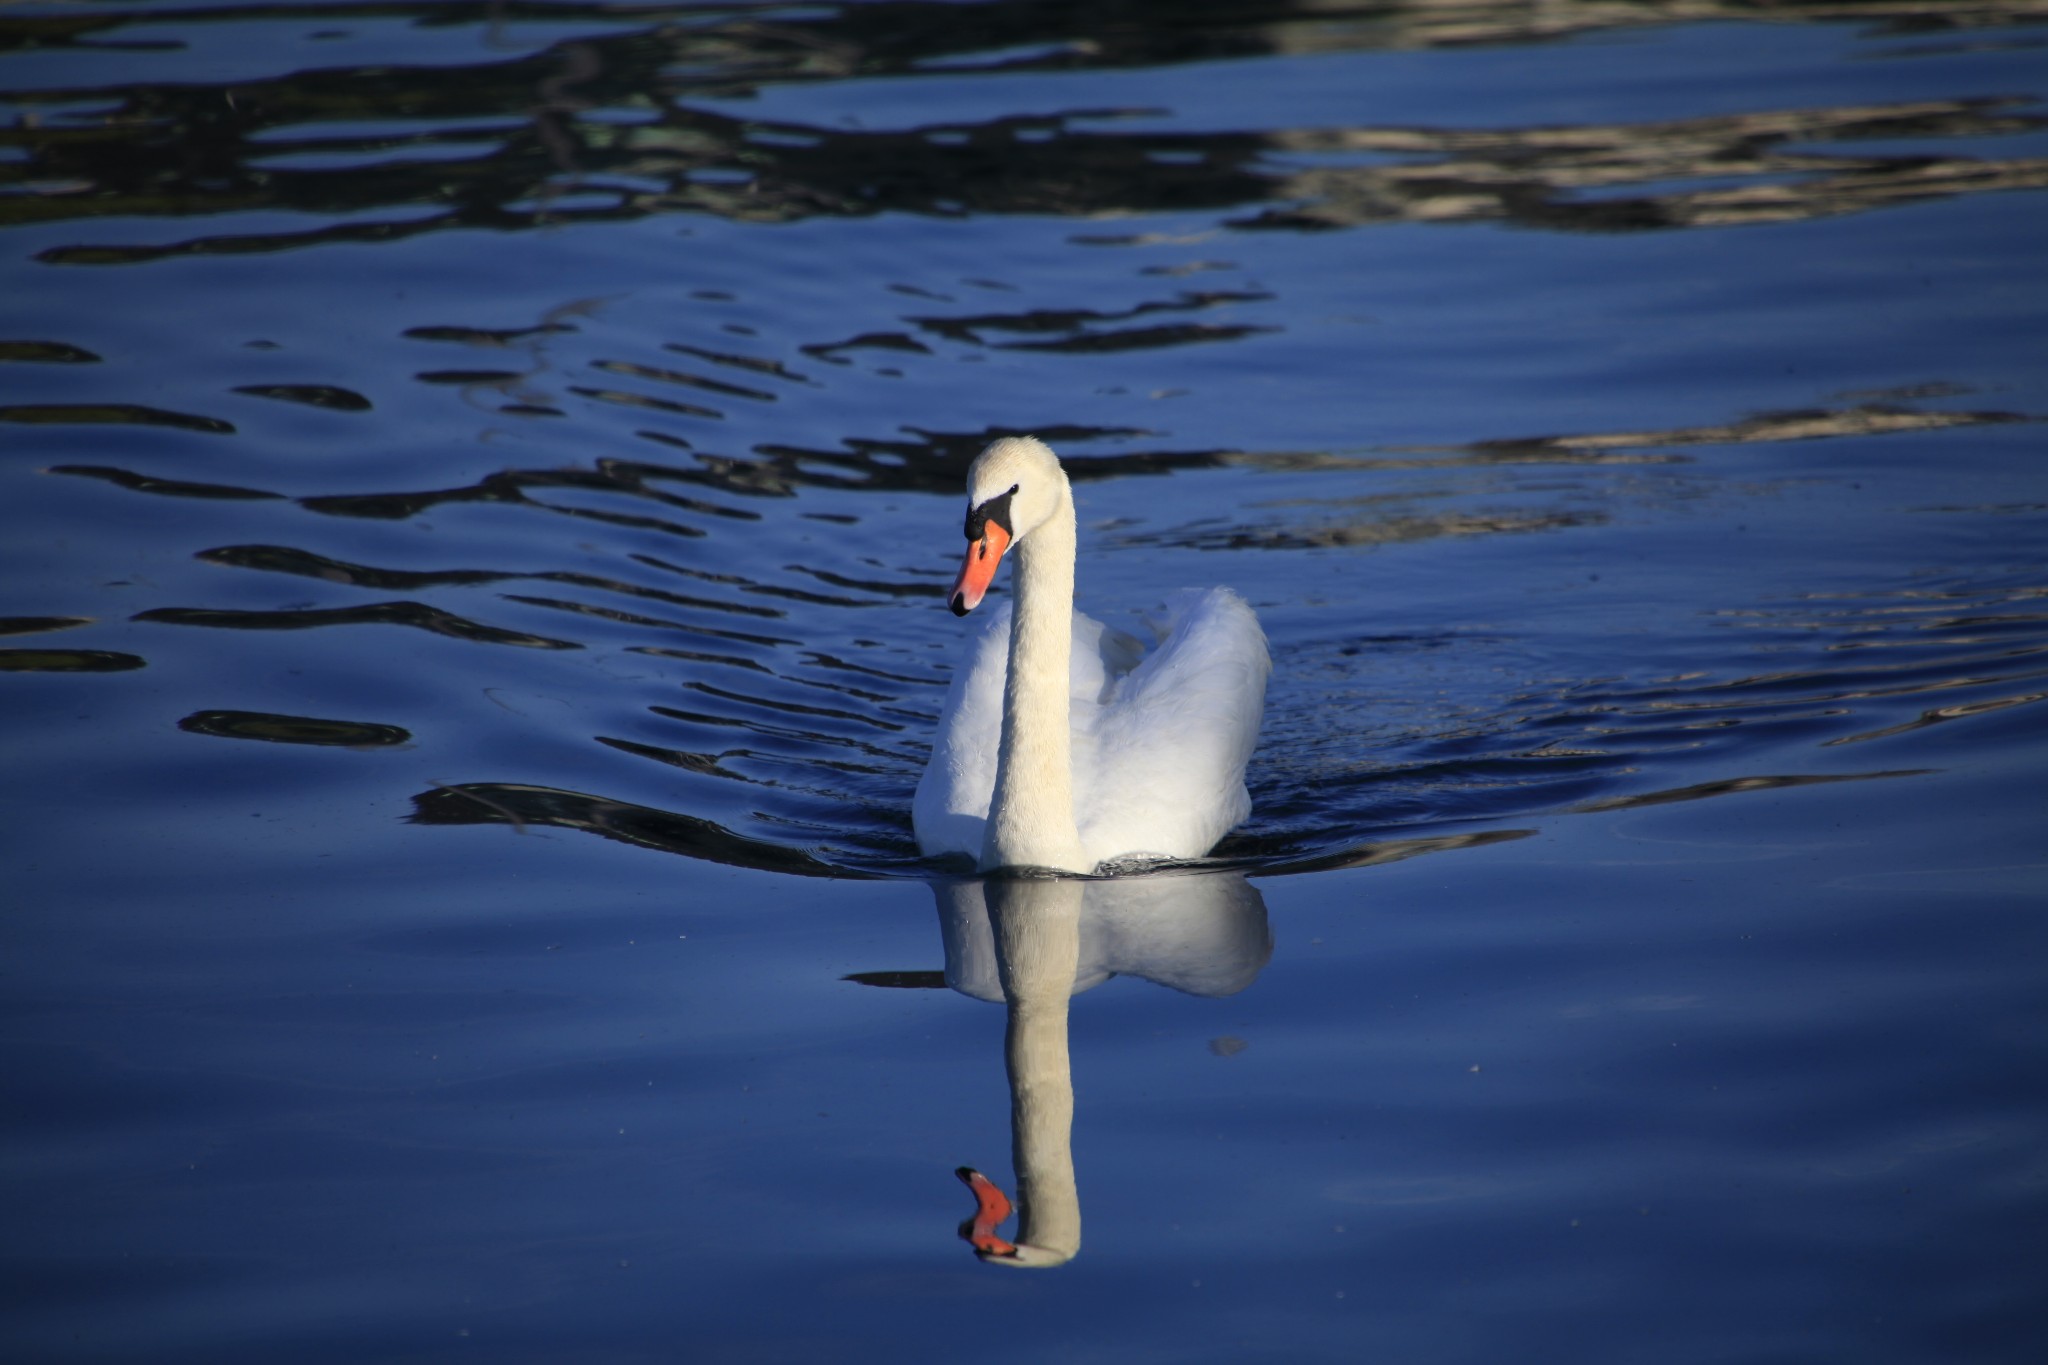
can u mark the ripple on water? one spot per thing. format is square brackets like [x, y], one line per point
[708, 491]
[788, 708]
[463, 429]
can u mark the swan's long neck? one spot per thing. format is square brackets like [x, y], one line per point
[1038, 933]
[1031, 816]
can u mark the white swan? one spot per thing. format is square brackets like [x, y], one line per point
[1061, 744]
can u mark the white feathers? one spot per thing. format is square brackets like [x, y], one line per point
[1062, 746]
[1159, 764]
[1159, 740]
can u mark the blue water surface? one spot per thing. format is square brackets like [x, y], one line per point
[478, 486]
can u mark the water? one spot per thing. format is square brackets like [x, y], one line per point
[479, 485]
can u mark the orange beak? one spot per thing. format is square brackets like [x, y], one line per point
[980, 569]
[992, 1206]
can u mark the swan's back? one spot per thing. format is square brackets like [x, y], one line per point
[1160, 740]
[1159, 764]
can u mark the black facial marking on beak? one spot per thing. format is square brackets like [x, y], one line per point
[995, 509]
[959, 604]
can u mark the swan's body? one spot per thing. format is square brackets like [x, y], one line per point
[1062, 745]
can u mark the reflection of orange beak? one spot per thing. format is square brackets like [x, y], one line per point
[980, 569]
[992, 1207]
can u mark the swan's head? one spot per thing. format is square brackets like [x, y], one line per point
[991, 1207]
[1013, 487]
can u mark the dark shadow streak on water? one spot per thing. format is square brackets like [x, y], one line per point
[521, 805]
[677, 153]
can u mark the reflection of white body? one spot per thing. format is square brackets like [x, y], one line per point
[1032, 942]
[1205, 934]
[1061, 744]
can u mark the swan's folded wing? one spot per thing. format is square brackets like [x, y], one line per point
[1159, 767]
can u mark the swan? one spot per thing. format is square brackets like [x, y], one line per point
[1062, 745]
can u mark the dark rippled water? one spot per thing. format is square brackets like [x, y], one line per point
[432, 436]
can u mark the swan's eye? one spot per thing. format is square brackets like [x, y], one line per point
[995, 509]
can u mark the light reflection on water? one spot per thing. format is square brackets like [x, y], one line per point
[432, 440]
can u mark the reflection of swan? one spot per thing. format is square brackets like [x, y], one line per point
[1205, 934]
[1038, 927]
[1058, 746]
[1037, 940]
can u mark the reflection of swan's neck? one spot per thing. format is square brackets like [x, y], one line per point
[1038, 928]
[1031, 816]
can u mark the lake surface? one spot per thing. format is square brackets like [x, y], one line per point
[477, 485]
